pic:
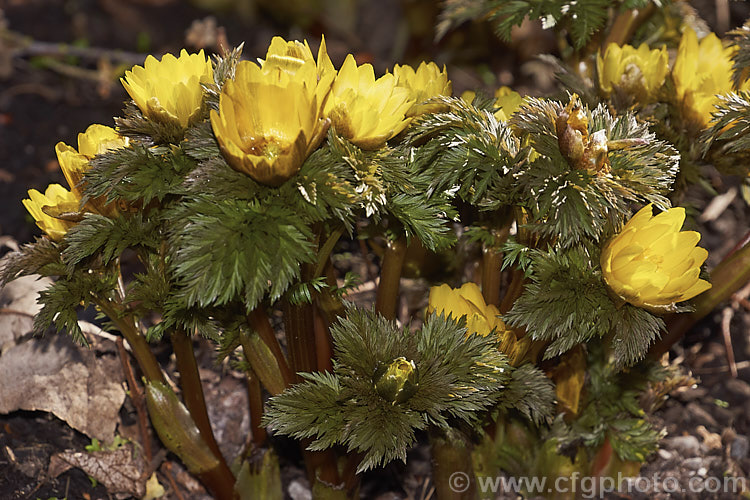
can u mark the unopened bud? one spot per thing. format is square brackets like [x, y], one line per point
[396, 381]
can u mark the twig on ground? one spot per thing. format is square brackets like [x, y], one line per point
[166, 469]
[138, 398]
[726, 318]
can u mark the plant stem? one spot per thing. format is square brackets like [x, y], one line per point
[390, 278]
[140, 348]
[492, 261]
[258, 432]
[513, 292]
[300, 337]
[259, 322]
[192, 389]
[452, 471]
[728, 277]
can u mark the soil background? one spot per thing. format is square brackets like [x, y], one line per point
[49, 93]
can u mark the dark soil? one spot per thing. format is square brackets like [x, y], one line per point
[40, 105]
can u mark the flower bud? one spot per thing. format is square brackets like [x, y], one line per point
[396, 381]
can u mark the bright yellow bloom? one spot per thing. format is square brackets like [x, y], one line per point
[169, 90]
[481, 318]
[652, 264]
[56, 200]
[426, 82]
[294, 60]
[701, 72]
[467, 302]
[96, 140]
[507, 101]
[268, 123]
[366, 111]
[639, 72]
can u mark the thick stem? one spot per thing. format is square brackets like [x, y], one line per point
[513, 292]
[728, 277]
[390, 278]
[259, 322]
[492, 262]
[323, 346]
[300, 337]
[220, 482]
[140, 348]
[192, 389]
[255, 398]
[452, 471]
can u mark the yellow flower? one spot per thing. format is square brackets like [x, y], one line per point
[294, 60]
[640, 72]
[366, 111]
[481, 318]
[426, 82]
[56, 200]
[652, 264]
[96, 140]
[169, 90]
[268, 122]
[701, 72]
[468, 302]
[507, 101]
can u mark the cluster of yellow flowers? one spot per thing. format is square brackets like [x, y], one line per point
[271, 116]
[57, 209]
[701, 71]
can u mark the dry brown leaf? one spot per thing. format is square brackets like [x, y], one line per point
[17, 308]
[120, 471]
[53, 374]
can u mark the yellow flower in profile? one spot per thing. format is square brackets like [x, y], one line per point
[96, 140]
[367, 111]
[426, 82]
[481, 318]
[267, 123]
[701, 72]
[467, 302]
[639, 72]
[169, 90]
[652, 264]
[56, 200]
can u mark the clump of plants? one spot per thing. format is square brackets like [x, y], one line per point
[226, 186]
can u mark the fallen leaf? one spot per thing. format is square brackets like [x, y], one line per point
[55, 375]
[17, 308]
[120, 470]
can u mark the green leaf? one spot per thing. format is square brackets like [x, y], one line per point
[110, 237]
[567, 303]
[138, 173]
[60, 302]
[235, 250]
[40, 257]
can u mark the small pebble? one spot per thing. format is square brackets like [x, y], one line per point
[694, 463]
[739, 447]
[299, 491]
[687, 446]
[664, 454]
